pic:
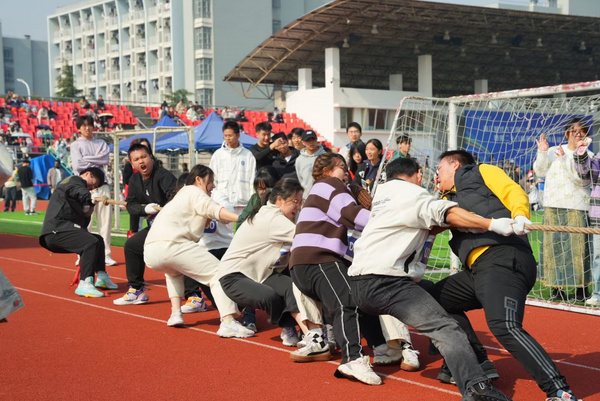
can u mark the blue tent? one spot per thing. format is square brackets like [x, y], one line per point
[40, 166]
[208, 135]
[166, 121]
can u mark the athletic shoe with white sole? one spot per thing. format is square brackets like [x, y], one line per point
[103, 281]
[484, 391]
[384, 355]
[289, 336]
[86, 289]
[194, 304]
[593, 301]
[410, 358]
[133, 297]
[108, 261]
[176, 320]
[316, 349]
[233, 328]
[360, 369]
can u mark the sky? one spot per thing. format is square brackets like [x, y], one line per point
[28, 17]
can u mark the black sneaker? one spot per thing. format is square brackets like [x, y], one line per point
[445, 376]
[33, 213]
[484, 391]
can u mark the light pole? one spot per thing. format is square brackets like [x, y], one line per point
[26, 86]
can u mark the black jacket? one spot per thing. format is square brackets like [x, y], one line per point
[26, 176]
[264, 156]
[156, 189]
[287, 169]
[65, 209]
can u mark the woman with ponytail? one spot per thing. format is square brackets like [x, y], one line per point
[252, 271]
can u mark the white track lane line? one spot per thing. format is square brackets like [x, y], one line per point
[501, 350]
[286, 350]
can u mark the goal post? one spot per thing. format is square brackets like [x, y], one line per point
[499, 128]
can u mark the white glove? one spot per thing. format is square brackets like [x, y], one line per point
[519, 226]
[150, 208]
[503, 226]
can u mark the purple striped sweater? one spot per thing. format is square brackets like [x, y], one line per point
[322, 227]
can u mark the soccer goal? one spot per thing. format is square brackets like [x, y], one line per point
[501, 129]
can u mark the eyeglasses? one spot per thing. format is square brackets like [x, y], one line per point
[437, 169]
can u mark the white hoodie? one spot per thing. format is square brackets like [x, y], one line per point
[234, 173]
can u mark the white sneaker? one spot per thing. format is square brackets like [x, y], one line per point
[103, 281]
[133, 297]
[384, 355]
[360, 369]
[108, 261]
[410, 358]
[316, 349]
[593, 301]
[176, 320]
[289, 336]
[233, 328]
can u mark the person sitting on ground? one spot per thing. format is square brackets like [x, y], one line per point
[65, 230]
[172, 248]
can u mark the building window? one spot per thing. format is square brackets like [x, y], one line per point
[9, 74]
[276, 25]
[203, 38]
[276, 3]
[204, 97]
[8, 55]
[345, 117]
[379, 119]
[202, 9]
[204, 69]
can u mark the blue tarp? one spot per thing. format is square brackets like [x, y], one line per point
[208, 135]
[166, 121]
[40, 166]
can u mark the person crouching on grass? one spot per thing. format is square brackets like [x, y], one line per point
[65, 230]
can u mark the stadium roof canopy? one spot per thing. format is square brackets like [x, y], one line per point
[511, 49]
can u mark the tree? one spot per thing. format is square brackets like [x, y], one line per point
[65, 83]
[180, 94]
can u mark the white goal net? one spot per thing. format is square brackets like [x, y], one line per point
[501, 129]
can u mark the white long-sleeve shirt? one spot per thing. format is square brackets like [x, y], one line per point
[234, 173]
[257, 245]
[564, 188]
[89, 153]
[183, 219]
[401, 217]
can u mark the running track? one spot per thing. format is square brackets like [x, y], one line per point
[61, 346]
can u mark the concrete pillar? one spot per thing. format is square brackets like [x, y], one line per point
[332, 67]
[425, 75]
[304, 78]
[395, 82]
[481, 86]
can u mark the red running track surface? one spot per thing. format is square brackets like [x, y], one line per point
[61, 346]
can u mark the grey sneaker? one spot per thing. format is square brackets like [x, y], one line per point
[289, 336]
[176, 320]
[384, 355]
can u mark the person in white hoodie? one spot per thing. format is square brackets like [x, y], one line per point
[306, 160]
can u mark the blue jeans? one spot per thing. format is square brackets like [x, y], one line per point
[406, 301]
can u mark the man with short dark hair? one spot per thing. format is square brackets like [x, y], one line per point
[65, 230]
[55, 176]
[354, 132]
[391, 257]
[27, 189]
[285, 162]
[498, 272]
[403, 142]
[264, 150]
[150, 187]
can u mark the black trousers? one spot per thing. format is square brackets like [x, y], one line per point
[90, 248]
[134, 258]
[499, 282]
[274, 295]
[329, 283]
[191, 285]
[10, 198]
